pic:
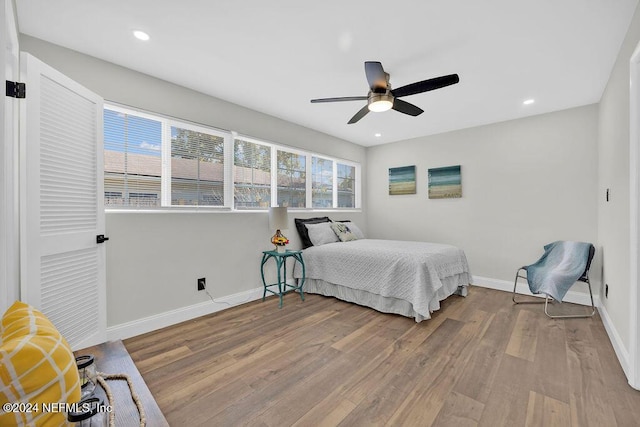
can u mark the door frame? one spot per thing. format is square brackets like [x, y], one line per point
[9, 202]
[634, 227]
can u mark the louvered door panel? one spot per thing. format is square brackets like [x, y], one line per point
[68, 163]
[70, 292]
[63, 272]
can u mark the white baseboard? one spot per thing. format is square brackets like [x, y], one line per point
[162, 320]
[616, 341]
[581, 298]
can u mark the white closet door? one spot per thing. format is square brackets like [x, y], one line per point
[62, 266]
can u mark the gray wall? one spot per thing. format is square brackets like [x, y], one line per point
[154, 259]
[613, 154]
[525, 183]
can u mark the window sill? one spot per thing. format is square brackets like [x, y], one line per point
[203, 210]
[172, 210]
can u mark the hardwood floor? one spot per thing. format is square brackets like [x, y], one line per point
[480, 360]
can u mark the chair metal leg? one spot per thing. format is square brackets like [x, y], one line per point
[515, 284]
[572, 316]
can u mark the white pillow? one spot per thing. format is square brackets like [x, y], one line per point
[321, 233]
[354, 229]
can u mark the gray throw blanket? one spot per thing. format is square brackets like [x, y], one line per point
[562, 264]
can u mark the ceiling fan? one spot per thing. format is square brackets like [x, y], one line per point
[382, 98]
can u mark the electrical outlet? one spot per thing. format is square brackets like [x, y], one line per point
[202, 284]
[606, 290]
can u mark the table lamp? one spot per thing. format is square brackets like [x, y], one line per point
[279, 219]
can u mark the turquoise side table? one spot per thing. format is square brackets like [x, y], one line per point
[281, 265]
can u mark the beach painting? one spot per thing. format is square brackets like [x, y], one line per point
[402, 180]
[445, 183]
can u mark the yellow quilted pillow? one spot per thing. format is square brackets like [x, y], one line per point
[37, 367]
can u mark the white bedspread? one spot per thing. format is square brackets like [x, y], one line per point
[410, 271]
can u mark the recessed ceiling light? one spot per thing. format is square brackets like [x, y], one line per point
[141, 35]
[378, 135]
[529, 101]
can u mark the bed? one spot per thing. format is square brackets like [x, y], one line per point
[391, 276]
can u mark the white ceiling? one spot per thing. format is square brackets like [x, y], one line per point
[274, 56]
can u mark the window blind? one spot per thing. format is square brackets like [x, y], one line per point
[132, 160]
[322, 182]
[251, 175]
[292, 179]
[346, 176]
[197, 168]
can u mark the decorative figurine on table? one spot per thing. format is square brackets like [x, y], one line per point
[280, 241]
[278, 219]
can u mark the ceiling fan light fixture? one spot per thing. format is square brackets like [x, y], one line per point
[379, 102]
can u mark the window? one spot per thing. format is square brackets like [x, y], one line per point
[141, 170]
[322, 182]
[197, 168]
[292, 178]
[346, 186]
[132, 159]
[152, 161]
[251, 175]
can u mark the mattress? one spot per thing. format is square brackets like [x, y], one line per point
[403, 277]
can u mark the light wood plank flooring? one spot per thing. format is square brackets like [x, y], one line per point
[480, 360]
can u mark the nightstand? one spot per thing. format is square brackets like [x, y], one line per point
[281, 266]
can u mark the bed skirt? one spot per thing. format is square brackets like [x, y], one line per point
[451, 285]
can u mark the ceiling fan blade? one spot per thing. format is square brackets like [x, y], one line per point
[376, 76]
[426, 85]
[406, 108]
[360, 114]
[339, 99]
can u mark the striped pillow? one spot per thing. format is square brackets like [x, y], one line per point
[36, 366]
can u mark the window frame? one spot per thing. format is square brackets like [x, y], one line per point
[334, 171]
[274, 179]
[356, 181]
[229, 168]
[255, 141]
[165, 189]
[145, 115]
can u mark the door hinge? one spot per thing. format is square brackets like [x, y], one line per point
[16, 89]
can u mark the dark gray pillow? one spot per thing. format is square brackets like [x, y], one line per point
[302, 229]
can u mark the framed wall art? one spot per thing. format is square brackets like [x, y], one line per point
[445, 183]
[402, 180]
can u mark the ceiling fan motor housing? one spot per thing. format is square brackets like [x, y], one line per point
[380, 101]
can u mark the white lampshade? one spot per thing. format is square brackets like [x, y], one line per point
[278, 218]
